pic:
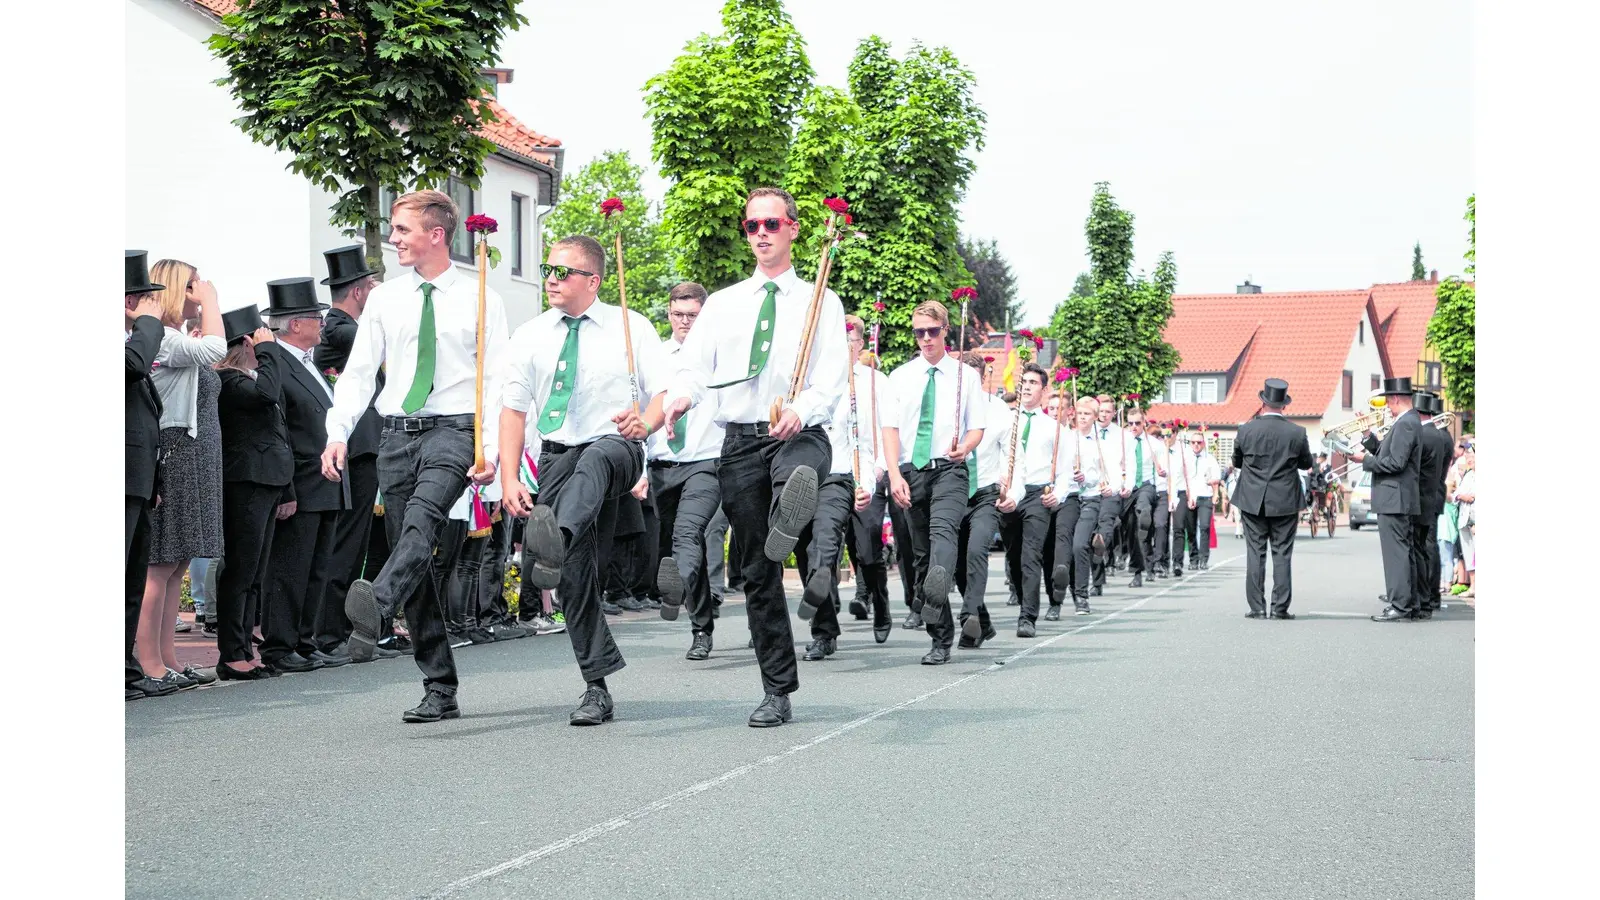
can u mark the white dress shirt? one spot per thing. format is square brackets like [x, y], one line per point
[602, 389]
[1034, 457]
[386, 335]
[717, 351]
[994, 446]
[903, 410]
[1077, 453]
[704, 438]
[865, 441]
[311, 366]
[1125, 472]
[1197, 472]
[1109, 453]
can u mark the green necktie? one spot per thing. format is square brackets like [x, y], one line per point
[1138, 464]
[680, 433]
[922, 451]
[972, 474]
[555, 408]
[761, 340]
[427, 341]
[1026, 430]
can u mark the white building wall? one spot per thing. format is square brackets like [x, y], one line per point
[1363, 361]
[197, 188]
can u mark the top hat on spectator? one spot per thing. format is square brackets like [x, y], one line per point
[1275, 393]
[239, 323]
[293, 297]
[345, 265]
[1394, 386]
[136, 273]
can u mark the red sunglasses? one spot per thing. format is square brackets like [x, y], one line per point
[751, 226]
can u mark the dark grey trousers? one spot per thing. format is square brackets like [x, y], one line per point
[687, 497]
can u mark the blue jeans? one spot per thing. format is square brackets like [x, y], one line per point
[1447, 562]
[204, 603]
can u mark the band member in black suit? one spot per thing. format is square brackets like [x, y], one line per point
[1395, 464]
[1270, 452]
[302, 547]
[257, 468]
[351, 281]
[141, 411]
[1437, 453]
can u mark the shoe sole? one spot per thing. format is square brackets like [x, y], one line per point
[971, 630]
[929, 662]
[1059, 576]
[796, 505]
[782, 721]
[541, 539]
[670, 583]
[361, 608]
[936, 595]
[1080, 612]
[410, 719]
[816, 593]
[585, 723]
[1098, 543]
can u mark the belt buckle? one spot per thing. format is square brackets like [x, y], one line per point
[409, 424]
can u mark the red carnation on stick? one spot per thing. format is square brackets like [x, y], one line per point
[880, 306]
[611, 205]
[1063, 374]
[481, 225]
[837, 204]
[964, 293]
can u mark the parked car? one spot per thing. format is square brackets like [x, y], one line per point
[1361, 502]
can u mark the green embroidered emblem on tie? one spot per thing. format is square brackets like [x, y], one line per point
[680, 433]
[922, 450]
[566, 378]
[427, 347]
[761, 340]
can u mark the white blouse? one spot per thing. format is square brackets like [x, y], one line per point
[177, 375]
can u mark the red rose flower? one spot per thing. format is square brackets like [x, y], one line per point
[849, 219]
[837, 204]
[483, 224]
[1062, 375]
[1038, 343]
[611, 205]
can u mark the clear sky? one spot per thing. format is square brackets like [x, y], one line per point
[1305, 146]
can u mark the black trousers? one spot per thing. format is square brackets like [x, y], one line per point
[422, 475]
[1395, 535]
[717, 556]
[248, 525]
[492, 605]
[978, 526]
[1023, 532]
[1158, 547]
[865, 539]
[1425, 561]
[1258, 532]
[583, 487]
[938, 504]
[1060, 550]
[136, 565]
[1084, 527]
[687, 497]
[299, 568]
[819, 547]
[753, 472]
[1109, 517]
[1193, 526]
[351, 537]
[1138, 523]
[904, 557]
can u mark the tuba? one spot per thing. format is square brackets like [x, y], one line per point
[1345, 438]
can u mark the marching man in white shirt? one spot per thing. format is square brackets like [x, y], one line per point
[683, 478]
[986, 472]
[746, 347]
[568, 367]
[1023, 529]
[1146, 470]
[1078, 477]
[423, 327]
[1108, 436]
[931, 438]
[1196, 479]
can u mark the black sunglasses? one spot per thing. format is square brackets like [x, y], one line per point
[561, 272]
[751, 226]
[923, 334]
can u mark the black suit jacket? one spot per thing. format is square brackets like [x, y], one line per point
[1437, 453]
[1269, 453]
[141, 411]
[338, 336]
[1396, 464]
[305, 411]
[255, 441]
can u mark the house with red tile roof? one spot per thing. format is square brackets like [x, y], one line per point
[198, 189]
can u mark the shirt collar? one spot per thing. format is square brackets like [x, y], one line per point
[785, 282]
[443, 282]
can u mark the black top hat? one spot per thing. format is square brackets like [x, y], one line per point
[292, 296]
[1275, 392]
[136, 274]
[1396, 386]
[238, 323]
[1427, 403]
[346, 264]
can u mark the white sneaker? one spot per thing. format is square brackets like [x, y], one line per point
[182, 627]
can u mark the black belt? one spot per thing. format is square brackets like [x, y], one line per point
[413, 424]
[748, 429]
[557, 447]
[666, 464]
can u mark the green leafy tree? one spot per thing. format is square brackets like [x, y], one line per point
[644, 245]
[1083, 285]
[904, 177]
[1113, 334]
[366, 95]
[1418, 273]
[997, 301]
[1453, 329]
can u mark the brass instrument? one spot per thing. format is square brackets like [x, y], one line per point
[1443, 421]
[1345, 438]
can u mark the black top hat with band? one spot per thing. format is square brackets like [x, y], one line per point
[292, 297]
[239, 323]
[1392, 386]
[1275, 392]
[136, 273]
[1427, 403]
[346, 264]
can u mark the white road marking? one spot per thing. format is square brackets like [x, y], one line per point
[627, 818]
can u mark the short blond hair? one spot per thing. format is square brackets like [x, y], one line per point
[1088, 404]
[933, 309]
[435, 208]
[854, 323]
[175, 275]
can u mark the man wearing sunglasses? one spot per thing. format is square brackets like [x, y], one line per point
[1024, 528]
[932, 444]
[1198, 475]
[740, 357]
[568, 368]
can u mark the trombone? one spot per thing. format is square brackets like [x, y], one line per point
[1345, 438]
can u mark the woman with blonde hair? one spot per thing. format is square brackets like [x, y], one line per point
[188, 521]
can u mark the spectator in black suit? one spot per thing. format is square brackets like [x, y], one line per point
[300, 611]
[1437, 454]
[1395, 464]
[1269, 454]
[141, 412]
[256, 471]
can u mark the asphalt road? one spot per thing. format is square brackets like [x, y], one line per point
[1165, 747]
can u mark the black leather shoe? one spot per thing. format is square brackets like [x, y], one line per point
[1096, 591]
[670, 583]
[1177, 573]
[700, 649]
[938, 656]
[294, 662]
[1255, 615]
[971, 630]
[1390, 614]
[1053, 614]
[821, 648]
[226, 672]
[913, 622]
[630, 604]
[648, 602]
[796, 507]
[1026, 629]
[594, 707]
[816, 592]
[935, 595]
[1061, 579]
[609, 608]
[385, 649]
[773, 711]
[881, 634]
[1138, 580]
[1421, 616]
[541, 540]
[151, 687]
[1282, 615]
[361, 608]
[859, 610]
[330, 660]
[435, 706]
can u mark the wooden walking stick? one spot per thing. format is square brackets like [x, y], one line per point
[608, 206]
[833, 235]
[488, 256]
[1062, 373]
[964, 294]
